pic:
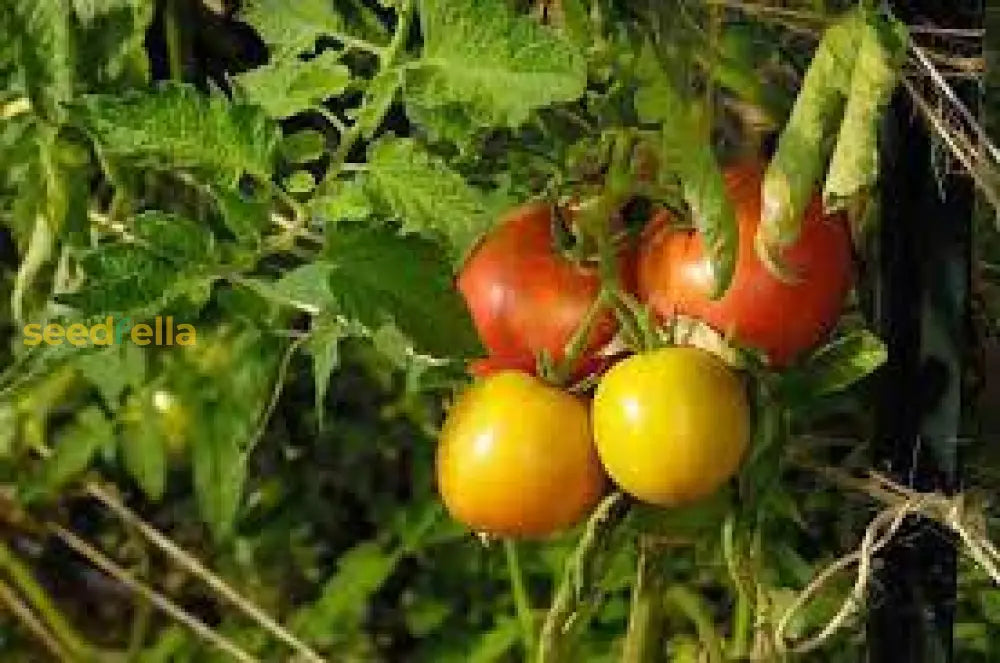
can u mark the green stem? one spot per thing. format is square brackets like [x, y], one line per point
[693, 606]
[387, 58]
[578, 342]
[522, 603]
[172, 30]
[643, 639]
[19, 574]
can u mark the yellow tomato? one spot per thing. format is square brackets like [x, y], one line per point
[671, 425]
[516, 458]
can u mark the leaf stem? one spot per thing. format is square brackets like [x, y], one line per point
[643, 637]
[522, 603]
[387, 58]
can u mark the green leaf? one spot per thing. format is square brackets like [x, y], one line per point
[143, 444]
[805, 143]
[844, 362]
[246, 219]
[111, 52]
[303, 146]
[113, 370]
[496, 64]
[300, 182]
[496, 643]
[286, 87]
[687, 153]
[171, 257]
[381, 278]
[179, 127]
[344, 600]
[292, 27]
[219, 466]
[854, 166]
[40, 31]
[428, 197]
[344, 200]
[225, 424]
[306, 288]
[173, 237]
[323, 346]
[75, 446]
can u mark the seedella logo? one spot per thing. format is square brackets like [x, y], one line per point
[163, 331]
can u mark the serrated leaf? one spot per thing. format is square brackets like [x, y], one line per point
[498, 65]
[179, 127]
[303, 146]
[306, 288]
[75, 446]
[173, 237]
[323, 346]
[171, 258]
[687, 153]
[286, 87]
[143, 444]
[844, 362]
[805, 143]
[110, 46]
[381, 278]
[292, 27]
[428, 197]
[40, 32]
[854, 166]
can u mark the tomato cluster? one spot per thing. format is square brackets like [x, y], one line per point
[521, 457]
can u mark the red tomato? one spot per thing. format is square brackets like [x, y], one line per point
[525, 297]
[782, 319]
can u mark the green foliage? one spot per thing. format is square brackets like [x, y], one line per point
[286, 87]
[178, 127]
[496, 66]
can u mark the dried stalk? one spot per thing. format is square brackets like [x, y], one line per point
[105, 564]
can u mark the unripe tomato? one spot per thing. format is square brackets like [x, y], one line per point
[672, 425]
[516, 458]
[779, 317]
[524, 296]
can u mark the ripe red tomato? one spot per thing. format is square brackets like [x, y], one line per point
[516, 457]
[525, 297]
[782, 319]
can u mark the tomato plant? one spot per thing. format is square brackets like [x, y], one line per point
[517, 458]
[781, 315]
[405, 234]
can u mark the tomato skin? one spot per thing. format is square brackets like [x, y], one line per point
[516, 458]
[782, 319]
[671, 425]
[524, 296]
